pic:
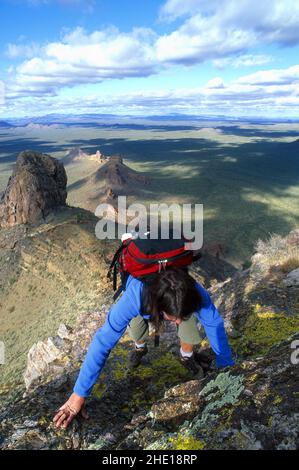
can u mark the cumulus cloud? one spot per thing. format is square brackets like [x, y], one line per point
[267, 21]
[275, 77]
[246, 60]
[218, 30]
[198, 40]
[173, 9]
[245, 96]
[81, 58]
[273, 93]
[208, 30]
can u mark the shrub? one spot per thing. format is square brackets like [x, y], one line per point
[277, 251]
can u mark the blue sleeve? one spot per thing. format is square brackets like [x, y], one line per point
[213, 325]
[118, 318]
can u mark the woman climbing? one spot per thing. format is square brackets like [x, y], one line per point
[168, 295]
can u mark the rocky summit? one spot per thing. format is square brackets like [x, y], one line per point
[37, 186]
[253, 405]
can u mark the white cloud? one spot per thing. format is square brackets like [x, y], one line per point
[105, 51]
[251, 95]
[173, 9]
[219, 30]
[246, 60]
[275, 77]
[2, 93]
[82, 58]
[198, 40]
[210, 30]
[22, 50]
[216, 82]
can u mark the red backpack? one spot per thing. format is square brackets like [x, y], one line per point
[141, 257]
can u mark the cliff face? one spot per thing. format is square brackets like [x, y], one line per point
[158, 406]
[37, 185]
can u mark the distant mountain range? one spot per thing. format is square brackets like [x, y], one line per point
[102, 119]
[5, 124]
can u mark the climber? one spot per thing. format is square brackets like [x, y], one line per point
[170, 295]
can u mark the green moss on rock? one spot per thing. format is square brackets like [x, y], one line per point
[186, 443]
[99, 390]
[262, 330]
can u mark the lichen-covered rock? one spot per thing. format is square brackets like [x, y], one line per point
[180, 403]
[37, 186]
[251, 406]
[259, 310]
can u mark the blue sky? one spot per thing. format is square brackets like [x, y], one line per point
[232, 57]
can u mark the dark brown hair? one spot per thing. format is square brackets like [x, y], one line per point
[173, 291]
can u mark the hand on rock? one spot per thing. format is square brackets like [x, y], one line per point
[67, 412]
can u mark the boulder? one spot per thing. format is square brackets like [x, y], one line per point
[40, 358]
[251, 406]
[292, 278]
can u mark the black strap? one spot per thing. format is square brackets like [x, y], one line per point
[115, 276]
[197, 256]
[117, 293]
[124, 277]
[119, 249]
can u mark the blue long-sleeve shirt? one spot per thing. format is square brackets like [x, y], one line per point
[118, 318]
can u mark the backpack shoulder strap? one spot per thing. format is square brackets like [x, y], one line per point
[124, 277]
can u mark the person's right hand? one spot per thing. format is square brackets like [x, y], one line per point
[66, 413]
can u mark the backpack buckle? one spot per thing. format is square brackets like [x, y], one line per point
[162, 264]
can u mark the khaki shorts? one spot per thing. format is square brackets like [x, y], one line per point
[188, 330]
